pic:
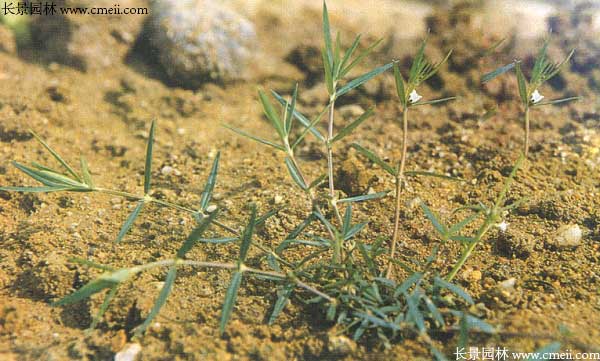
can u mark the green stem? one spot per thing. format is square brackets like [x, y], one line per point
[399, 182]
[467, 253]
[526, 126]
[330, 158]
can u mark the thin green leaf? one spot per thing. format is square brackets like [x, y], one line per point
[41, 177]
[557, 101]
[350, 127]
[56, 156]
[86, 291]
[435, 68]
[492, 48]
[540, 64]
[295, 233]
[430, 102]
[221, 240]
[433, 174]
[34, 189]
[283, 295]
[195, 235]
[310, 128]
[365, 197]
[262, 219]
[362, 79]
[348, 54]
[501, 70]
[271, 115]
[417, 64]
[454, 289]
[347, 221]
[522, 84]
[129, 222]
[301, 118]
[92, 264]
[289, 111]
[408, 283]
[360, 58]
[435, 313]
[160, 300]
[257, 139]
[325, 222]
[230, 296]
[508, 181]
[85, 171]
[367, 257]
[354, 230]
[559, 66]
[317, 181]
[295, 174]
[460, 225]
[210, 184]
[437, 224]
[103, 307]
[414, 313]
[247, 235]
[328, 74]
[148, 168]
[375, 159]
[328, 54]
[400, 89]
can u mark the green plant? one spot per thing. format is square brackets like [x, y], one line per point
[543, 70]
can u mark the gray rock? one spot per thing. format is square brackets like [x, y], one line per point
[200, 40]
[88, 43]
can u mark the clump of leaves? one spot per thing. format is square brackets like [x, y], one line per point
[529, 94]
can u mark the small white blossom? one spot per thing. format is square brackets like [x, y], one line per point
[536, 97]
[414, 97]
[503, 226]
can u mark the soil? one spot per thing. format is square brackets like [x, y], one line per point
[105, 115]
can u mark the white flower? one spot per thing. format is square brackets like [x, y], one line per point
[503, 226]
[414, 97]
[536, 97]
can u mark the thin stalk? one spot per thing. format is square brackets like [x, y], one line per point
[399, 183]
[330, 158]
[467, 253]
[232, 266]
[526, 125]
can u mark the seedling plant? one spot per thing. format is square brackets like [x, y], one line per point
[348, 278]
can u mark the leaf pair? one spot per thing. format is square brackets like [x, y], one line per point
[54, 180]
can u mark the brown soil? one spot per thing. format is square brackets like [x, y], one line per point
[105, 118]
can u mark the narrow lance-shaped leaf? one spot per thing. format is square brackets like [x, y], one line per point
[360, 58]
[374, 158]
[283, 295]
[295, 173]
[400, 89]
[255, 138]
[431, 102]
[348, 54]
[271, 114]
[522, 83]
[362, 79]
[104, 306]
[559, 66]
[301, 118]
[129, 222]
[85, 171]
[148, 169]
[434, 220]
[195, 235]
[558, 101]
[43, 178]
[289, 111]
[417, 64]
[454, 289]
[365, 197]
[350, 127]
[415, 314]
[33, 189]
[56, 156]
[327, 37]
[210, 184]
[230, 298]
[433, 175]
[106, 280]
[160, 300]
[328, 74]
[347, 223]
[309, 128]
[247, 235]
[501, 70]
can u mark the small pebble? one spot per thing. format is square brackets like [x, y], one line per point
[277, 199]
[211, 208]
[168, 170]
[341, 345]
[567, 236]
[129, 352]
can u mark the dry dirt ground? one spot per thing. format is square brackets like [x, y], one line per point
[104, 115]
